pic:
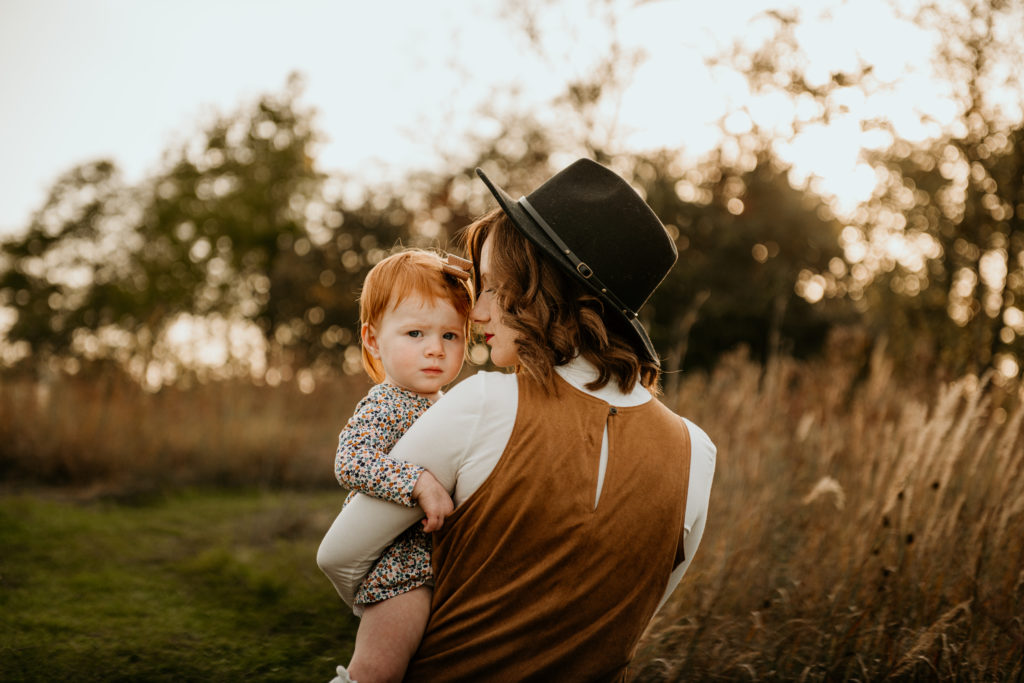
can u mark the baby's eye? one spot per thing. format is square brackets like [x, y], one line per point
[415, 333]
[451, 336]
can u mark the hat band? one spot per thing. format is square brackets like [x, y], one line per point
[585, 271]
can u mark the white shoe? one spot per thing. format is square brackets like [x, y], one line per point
[342, 676]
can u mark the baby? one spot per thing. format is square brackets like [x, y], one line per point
[414, 310]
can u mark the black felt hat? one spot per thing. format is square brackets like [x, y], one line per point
[594, 225]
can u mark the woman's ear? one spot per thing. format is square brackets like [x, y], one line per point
[369, 338]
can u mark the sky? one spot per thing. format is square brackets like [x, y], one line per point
[127, 79]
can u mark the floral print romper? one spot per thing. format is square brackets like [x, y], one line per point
[362, 465]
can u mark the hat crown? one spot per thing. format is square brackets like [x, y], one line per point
[603, 220]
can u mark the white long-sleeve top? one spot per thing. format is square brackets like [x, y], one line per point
[459, 440]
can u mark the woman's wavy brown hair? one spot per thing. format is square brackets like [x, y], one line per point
[554, 317]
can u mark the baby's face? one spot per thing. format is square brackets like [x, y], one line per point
[420, 342]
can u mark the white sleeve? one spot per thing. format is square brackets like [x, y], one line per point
[438, 441]
[358, 536]
[461, 438]
[698, 495]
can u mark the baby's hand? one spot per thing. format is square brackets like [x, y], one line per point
[434, 500]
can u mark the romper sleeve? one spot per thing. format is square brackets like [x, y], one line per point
[437, 441]
[362, 462]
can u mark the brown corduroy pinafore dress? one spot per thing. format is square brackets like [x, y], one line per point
[535, 583]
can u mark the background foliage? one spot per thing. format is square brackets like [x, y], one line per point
[240, 237]
[243, 227]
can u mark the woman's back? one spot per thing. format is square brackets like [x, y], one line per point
[535, 582]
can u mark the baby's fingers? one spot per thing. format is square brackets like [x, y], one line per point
[432, 523]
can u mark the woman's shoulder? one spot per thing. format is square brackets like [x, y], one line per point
[700, 442]
[478, 403]
[485, 384]
[482, 393]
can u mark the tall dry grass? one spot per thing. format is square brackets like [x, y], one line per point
[860, 527]
[107, 432]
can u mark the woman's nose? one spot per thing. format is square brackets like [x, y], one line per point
[479, 314]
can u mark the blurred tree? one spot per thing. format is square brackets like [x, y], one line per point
[754, 252]
[960, 200]
[77, 242]
[756, 255]
[241, 226]
[953, 296]
[754, 258]
[936, 257]
[225, 222]
[220, 231]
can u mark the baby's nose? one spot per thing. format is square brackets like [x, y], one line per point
[435, 347]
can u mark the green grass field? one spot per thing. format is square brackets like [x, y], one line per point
[201, 586]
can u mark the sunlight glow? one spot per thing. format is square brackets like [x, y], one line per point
[1013, 318]
[210, 346]
[992, 267]
[811, 286]
[1008, 366]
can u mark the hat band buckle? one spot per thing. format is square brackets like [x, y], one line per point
[585, 271]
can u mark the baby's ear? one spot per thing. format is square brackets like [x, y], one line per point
[368, 335]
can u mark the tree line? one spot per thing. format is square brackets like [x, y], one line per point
[242, 225]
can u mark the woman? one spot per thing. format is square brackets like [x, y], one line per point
[580, 499]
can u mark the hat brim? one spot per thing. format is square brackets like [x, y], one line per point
[526, 225]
